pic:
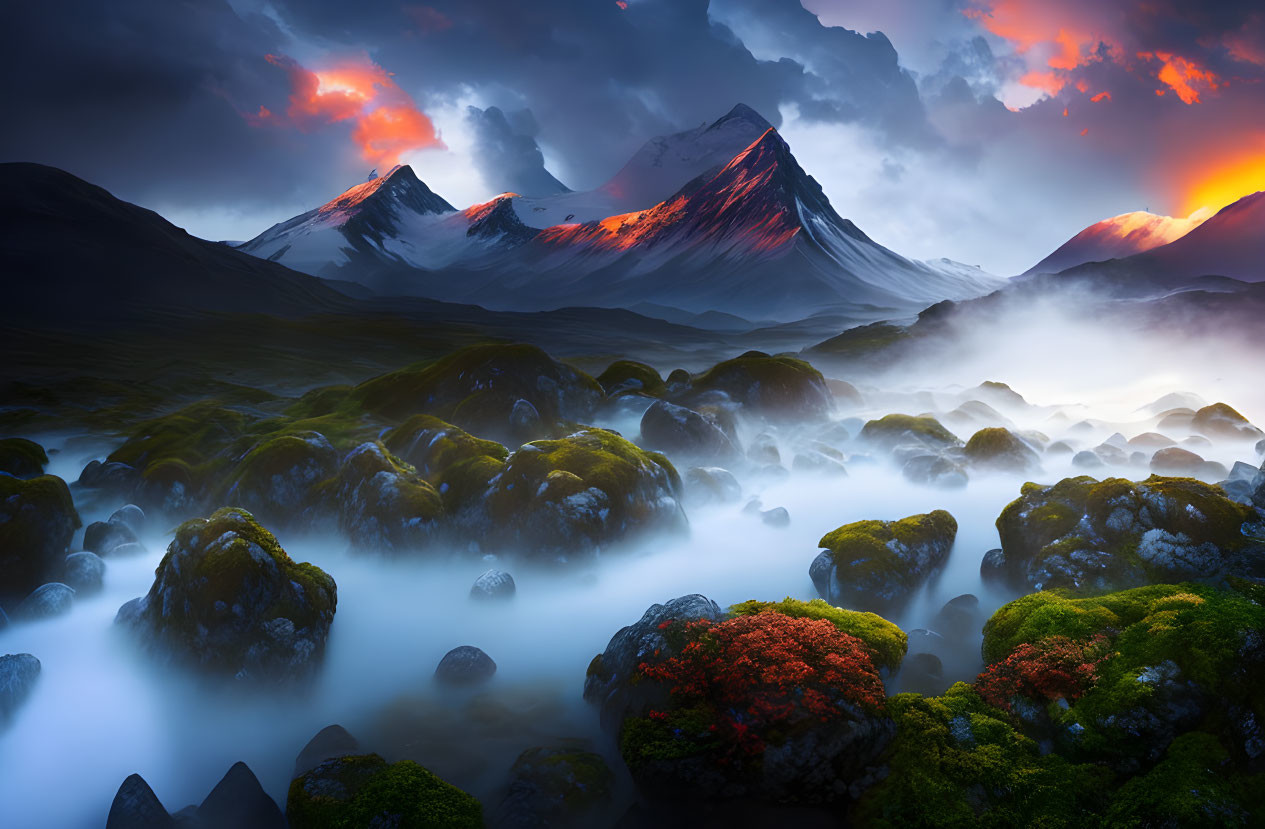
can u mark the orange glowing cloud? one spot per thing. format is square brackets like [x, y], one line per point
[386, 121]
[1057, 38]
[1214, 185]
[1101, 96]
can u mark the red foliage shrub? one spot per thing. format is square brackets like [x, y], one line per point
[765, 672]
[1053, 668]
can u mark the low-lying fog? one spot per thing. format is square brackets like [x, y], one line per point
[101, 711]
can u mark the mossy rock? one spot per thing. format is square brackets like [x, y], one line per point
[192, 435]
[22, 458]
[887, 642]
[383, 503]
[779, 388]
[37, 521]
[631, 377]
[1181, 657]
[559, 786]
[1222, 421]
[581, 492]
[279, 477]
[958, 762]
[875, 563]
[1085, 535]
[865, 342]
[227, 598]
[364, 790]
[478, 387]
[433, 446]
[892, 430]
[1001, 449]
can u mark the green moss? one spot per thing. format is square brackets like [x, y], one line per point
[778, 386]
[622, 371]
[360, 791]
[21, 457]
[866, 341]
[957, 762]
[434, 446]
[574, 779]
[885, 640]
[893, 429]
[681, 733]
[1194, 785]
[993, 444]
[861, 550]
[192, 435]
[37, 521]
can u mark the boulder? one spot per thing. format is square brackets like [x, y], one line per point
[383, 504]
[631, 377]
[1176, 461]
[711, 485]
[112, 475]
[1151, 441]
[677, 430]
[364, 790]
[922, 673]
[131, 516]
[777, 517]
[37, 522]
[102, 537]
[331, 742]
[992, 566]
[560, 786]
[1000, 449]
[934, 470]
[1086, 459]
[763, 450]
[579, 493]
[239, 801]
[135, 806]
[227, 598]
[85, 572]
[874, 564]
[774, 388]
[22, 458]
[1222, 421]
[493, 584]
[277, 477]
[960, 617]
[18, 673]
[465, 665]
[45, 602]
[820, 458]
[893, 430]
[1081, 534]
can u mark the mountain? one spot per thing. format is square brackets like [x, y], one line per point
[655, 172]
[1230, 243]
[1117, 237]
[74, 253]
[359, 224]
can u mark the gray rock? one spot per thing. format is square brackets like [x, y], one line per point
[85, 572]
[330, 742]
[131, 516]
[465, 665]
[992, 567]
[1260, 447]
[922, 673]
[678, 430]
[111, 475]
[934, 470]
[49, 600]
[763, 450]
[101, 537]
[711, 484]
[494, 584]
[524, 418]
[1176, 461]
[136, 806]
[1086, 459]
[560, 787]
[776, 517]
[240, 802]
[960, 617]
[18, 673]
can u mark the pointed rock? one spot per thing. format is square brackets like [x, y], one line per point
[136, 806]
[240, 802]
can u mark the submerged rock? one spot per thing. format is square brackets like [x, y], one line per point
[46, 601]
[775, 388]
[136, 806]
[18, 673]
[677, 430]
[494, 584]
[560, 787]
[85, 572]
[102, 537]
[934, 470]
[893, 430]
[1222, 421]
[465, 665]
[22, 458]
[711, 485]
[629, 376]
[37, 521]
[112, 475]
[228, 598]
[871, 564]
[776, 517]
[364, 790]
[1000, 449]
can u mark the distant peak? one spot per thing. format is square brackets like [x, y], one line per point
[742, 112]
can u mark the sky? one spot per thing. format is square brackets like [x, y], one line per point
[986, 131]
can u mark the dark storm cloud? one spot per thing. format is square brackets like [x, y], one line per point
[508, 156]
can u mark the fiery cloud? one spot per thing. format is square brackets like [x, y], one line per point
[1215, 183]
[1058, 38]
[386, 121]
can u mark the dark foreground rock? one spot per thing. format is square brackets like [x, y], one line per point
[364, 790]
[227, 598]
[556, 786]
[330, 742]
[18, 673]
[465, 665]
[237, 801]
[37, 521]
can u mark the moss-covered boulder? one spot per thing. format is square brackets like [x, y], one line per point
[1222, 421]
[760, 704]
[1083, 534]
[227, 598]
[383, 504]
[37, 521]
[22, 458]
[456, 463]
[631, 377]
[365, 790]
[278, 479]
[1001, 449]
[677, 430]
[557, 786]
[478, 388]
[887, 643]
[1116, 678]
[578, 493]
[873, 564]
[777, 388]
[893, 430]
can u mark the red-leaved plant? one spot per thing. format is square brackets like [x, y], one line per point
[1053, 668]
[766, 672]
